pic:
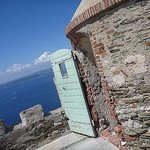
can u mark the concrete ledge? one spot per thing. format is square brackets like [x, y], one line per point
[75, 141]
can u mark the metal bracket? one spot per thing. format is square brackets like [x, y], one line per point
[93, 123]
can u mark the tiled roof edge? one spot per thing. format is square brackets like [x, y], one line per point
[92, 11]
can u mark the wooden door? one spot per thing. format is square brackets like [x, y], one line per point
[71, 92]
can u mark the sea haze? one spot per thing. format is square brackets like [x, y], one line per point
[21, 94]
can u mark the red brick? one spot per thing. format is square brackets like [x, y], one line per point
[107, 97]
[118, 128]
[108, 37]
[93, 109]
[87, 89]
[88, 12]
[105, 133]
[116, 101]
[103, 81]
[114, 1]
[112, 107]
[101, 52]
[95, 9]
[123, 147]
[120, 135]
[94, 38]
[116, 72]
[80, 66]
[114, 140]
[91, 11]
[99, 7]
[100, 67]
[99, 40]
[84, 80]
[92, 90]
[110, 31]
[110, 88]
[112, 117]
[89, 92]
[105, 2]
[90, 100]
[124, 73]
[89, 96]
[97, 57]
[113, 114]
[100, 70]
[98, 63]
[106, 91]
[94, 43]
[98, 45]
[134, 105]
[81, 71]
[103, 55]
[104, 84]
[94, 114]
[83, 74]
[98, 60]
[127, 138]
[101, 48]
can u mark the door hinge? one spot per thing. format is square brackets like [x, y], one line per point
[74, 56]
[93, 123]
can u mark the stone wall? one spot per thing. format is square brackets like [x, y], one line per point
[37, 134]
[32, 115]
[92, 87]
[120, 41]
[2, 129]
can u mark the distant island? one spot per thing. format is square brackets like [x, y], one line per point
[28, 77]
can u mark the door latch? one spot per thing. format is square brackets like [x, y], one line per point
[64, 88]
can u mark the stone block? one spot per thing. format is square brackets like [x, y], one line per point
[32, 115]
[140, 131]
[2, 129]
[147, 122]
[18, 126]
[133, 99]
[145, 146]
[146, 135]
[131, 133]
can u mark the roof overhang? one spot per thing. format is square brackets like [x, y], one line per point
[98, 8]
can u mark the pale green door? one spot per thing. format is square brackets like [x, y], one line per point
[71, 92]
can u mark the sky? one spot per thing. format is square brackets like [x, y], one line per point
[30, 31]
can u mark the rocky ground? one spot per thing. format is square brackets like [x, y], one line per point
[37, 134]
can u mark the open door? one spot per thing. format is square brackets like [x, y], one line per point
[71, 92]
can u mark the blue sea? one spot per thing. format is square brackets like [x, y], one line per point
[25, 94]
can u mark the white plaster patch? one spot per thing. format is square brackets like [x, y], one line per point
[135, 64]
[137, 125]
[80, 56]
[106, 62]
[113, 69]
[118, 79]
[128, 124]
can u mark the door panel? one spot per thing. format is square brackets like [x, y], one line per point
[71, 92]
